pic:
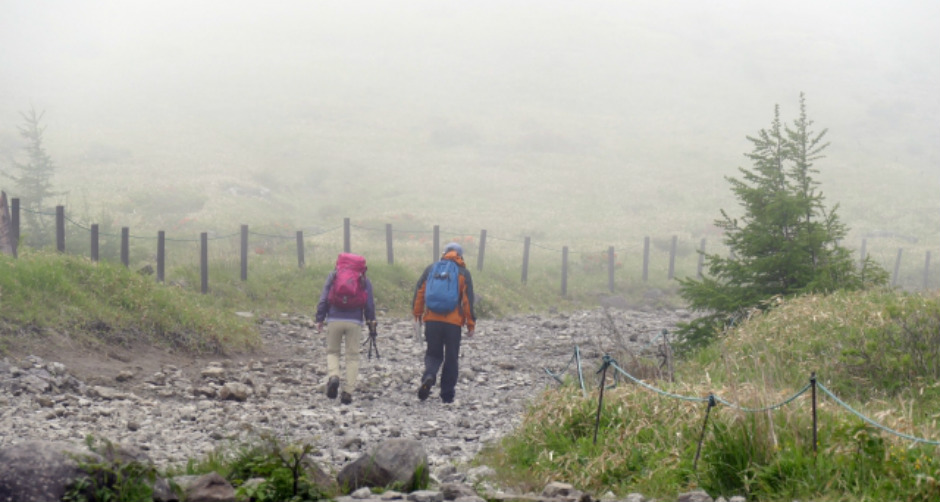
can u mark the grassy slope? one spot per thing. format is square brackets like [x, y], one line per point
[874, 350]
[106, 304]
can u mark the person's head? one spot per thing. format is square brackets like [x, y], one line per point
[453, 246]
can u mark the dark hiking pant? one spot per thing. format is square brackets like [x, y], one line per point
[443, 341]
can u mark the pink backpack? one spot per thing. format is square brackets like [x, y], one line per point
[348, 290]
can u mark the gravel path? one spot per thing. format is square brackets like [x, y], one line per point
[187, 409]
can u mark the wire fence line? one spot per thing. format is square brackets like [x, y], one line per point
[713, 400]
[660, 259]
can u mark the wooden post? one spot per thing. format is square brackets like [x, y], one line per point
[389, 250]
[897, 268]
[7, 242]
[437, 243]
[15, 217]
[701, 258]
[347, 240]
[244, 252]
[672, 258]
[125, 246]
[564, 272]
[60, 228]
[927, 271]
[610, 269]
[482, 250]
[525, 261]
[161, 256]
[300, 249]
[204, 261]
[646, 259]
[94, 242]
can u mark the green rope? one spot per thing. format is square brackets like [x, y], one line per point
[768, 408]
[872, 422]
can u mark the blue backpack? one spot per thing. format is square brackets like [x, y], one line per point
[441, 291]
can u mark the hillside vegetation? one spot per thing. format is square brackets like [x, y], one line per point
[44, 294]
[876, 351]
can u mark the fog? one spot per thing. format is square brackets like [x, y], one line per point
[297, 93]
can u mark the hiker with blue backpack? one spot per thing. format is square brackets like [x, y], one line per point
[345, 302]
[443, 301]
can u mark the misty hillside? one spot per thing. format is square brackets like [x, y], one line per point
[575, 122]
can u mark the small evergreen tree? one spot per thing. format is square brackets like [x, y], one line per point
[785, 244]
[34, 178]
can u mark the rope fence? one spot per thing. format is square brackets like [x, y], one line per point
[713, 400]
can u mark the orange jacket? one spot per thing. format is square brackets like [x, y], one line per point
[463, 314]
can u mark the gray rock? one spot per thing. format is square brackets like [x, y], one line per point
[398, 463]
[41, 471]
[209, 488]
[694, 496]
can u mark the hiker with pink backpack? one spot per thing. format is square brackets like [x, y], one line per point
[346, 301]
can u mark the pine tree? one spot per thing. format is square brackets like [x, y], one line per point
[786, 243]
[34, 178]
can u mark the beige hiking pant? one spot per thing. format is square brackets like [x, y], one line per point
[336, 333]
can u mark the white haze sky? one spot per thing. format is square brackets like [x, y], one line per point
[653, 82]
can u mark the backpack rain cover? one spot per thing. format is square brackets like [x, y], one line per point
[348, 290]
[441, 291]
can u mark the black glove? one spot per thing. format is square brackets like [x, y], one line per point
[373, 331]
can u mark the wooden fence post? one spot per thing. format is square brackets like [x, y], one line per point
[525, 261]
[389, 250]
[126, 246]
[300, 249]
[672, 258]
[161, 256]
[347, 241]
[244, 252]
[15, 219]
[646, 259]
[60, 228]
[897, 268]
[610, 269]
[482, 250]
[204, 261]
[564, 272]
[437, 243]
[927, 271]
[94, 242]
[701, 258]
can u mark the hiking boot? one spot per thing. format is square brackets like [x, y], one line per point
[345, 398]
[332, 387]
[425, 388]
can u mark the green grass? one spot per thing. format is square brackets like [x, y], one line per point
[875, 350]
[104, 303]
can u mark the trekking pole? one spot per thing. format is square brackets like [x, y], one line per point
[373, 333]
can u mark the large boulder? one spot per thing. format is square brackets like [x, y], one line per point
[397, 463]
[37, 471]
[41, 471]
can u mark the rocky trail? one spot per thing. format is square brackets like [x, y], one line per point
[178, 408]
